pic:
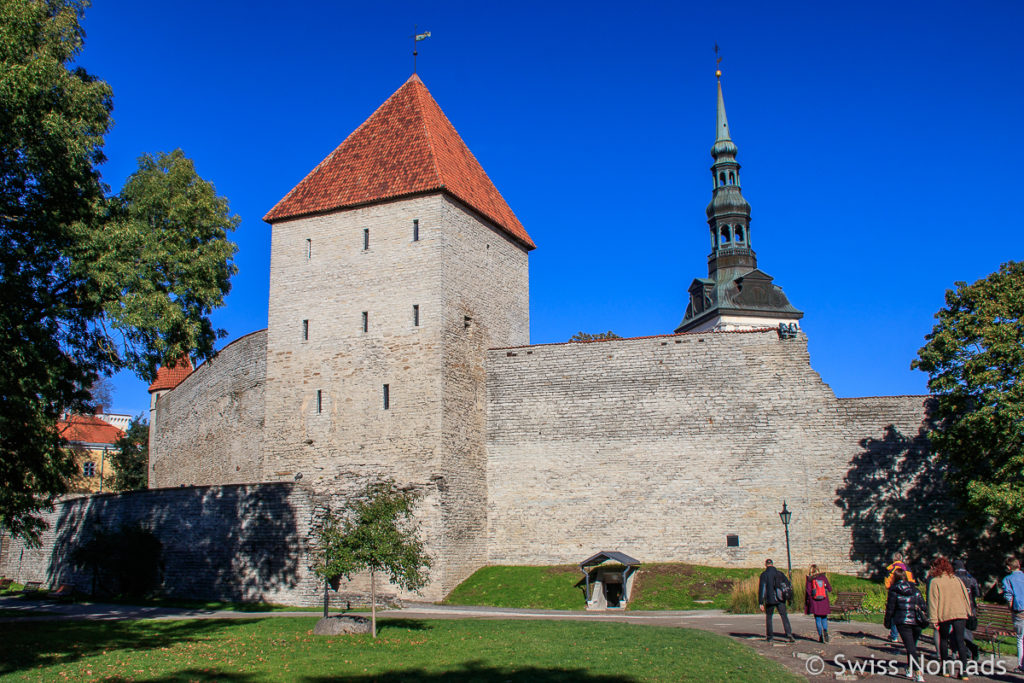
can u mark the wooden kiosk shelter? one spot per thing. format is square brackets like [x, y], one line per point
[608, 587]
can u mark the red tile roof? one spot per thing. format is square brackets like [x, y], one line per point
[88, 429]
[406, 147]
[170, 377]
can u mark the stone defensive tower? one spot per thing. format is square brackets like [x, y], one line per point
[735, 294]
[395, 265]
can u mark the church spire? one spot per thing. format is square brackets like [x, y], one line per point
[735, 294]
[728, 213]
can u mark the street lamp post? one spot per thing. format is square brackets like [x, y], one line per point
[785, 516]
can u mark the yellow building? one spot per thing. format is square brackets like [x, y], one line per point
[92, 440]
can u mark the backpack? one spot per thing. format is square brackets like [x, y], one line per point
[783, 588]
[818, 591]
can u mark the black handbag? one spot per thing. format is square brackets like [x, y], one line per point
[972, 622]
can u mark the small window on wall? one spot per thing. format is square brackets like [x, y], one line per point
[416, 230]
[89, 469]
[366, 321]
[387, 397]
[309, 248]
[305, 330]
[415, 315]
[319, 401]
[366, 239]
[732, 541]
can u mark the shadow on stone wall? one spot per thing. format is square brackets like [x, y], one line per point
[237, 543]
[894, 499]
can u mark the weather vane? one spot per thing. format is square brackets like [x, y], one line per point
[417, 37]
[718, 62]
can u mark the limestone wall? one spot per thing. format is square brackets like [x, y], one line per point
[209, 430]
[661, 447]
[219, 542]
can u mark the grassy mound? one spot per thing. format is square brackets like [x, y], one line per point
[668, 586]
[284, 649]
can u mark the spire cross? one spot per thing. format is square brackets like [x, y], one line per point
[718, 62]
[417, 37]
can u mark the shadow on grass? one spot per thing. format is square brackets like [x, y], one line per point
[27, 645]
[477, 671]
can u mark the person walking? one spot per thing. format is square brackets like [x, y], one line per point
[905, 612]
[949, 605]
[1013, 593]
[897, 563]
[816, 601]
[973, 590]
[770, 597]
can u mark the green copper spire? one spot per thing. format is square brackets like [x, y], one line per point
[723, 143]
[735, 294]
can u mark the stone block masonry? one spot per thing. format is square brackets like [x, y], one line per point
[661, 447]
[209, 430]
[237, 543]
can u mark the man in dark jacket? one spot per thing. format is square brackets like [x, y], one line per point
[974, 590]
[769, 599]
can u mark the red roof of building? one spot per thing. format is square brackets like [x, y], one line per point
[406, 147]
[88, 429]
[170, 377]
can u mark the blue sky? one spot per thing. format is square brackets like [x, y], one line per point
[877, 141]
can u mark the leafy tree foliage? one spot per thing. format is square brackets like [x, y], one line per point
[586, 336]
[131, 458]
[376, 533]
[90, 284]
[975, 359]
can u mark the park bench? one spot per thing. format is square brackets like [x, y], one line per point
[32, 587]
[64, 593]
[994, 622]
[5, 583]
[847, 602]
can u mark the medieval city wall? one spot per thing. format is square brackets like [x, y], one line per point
[236, 542]
[209, 429]
[662, 447]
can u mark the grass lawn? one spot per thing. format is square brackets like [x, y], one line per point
[680, 586]
[284, 649]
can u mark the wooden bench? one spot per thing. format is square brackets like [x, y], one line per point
[64, 593]
[32, 587]
[994, 622]
[847, 602]
[5, 584]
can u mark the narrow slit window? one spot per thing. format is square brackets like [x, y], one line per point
[415, 315]
[309, 248]
[305, 330]
[366, 321]
[366, 239]
[387, 396]
[319, 401]
[416, 230]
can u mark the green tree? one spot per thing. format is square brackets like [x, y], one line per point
[974, 357]
[131, 458]
[587, 336]
[90, 284]
[375, 533]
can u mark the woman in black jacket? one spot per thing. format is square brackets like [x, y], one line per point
[905, 609]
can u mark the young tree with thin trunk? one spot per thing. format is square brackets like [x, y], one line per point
[376, 533]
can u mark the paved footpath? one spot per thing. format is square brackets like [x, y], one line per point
[856, 649]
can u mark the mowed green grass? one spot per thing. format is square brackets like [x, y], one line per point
[284, 649]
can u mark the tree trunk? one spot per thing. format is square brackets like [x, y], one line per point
[373, 603]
